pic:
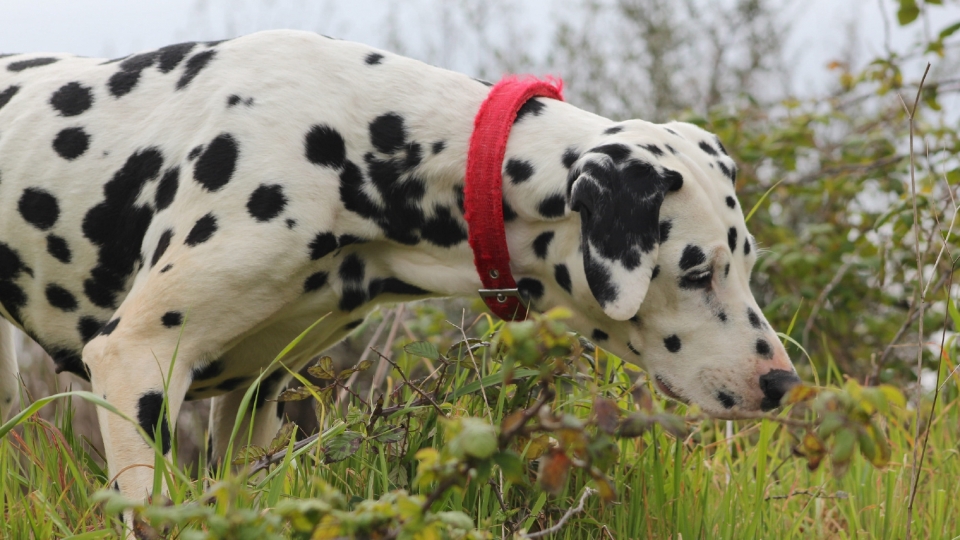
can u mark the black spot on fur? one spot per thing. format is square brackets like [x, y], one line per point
[598, 278]
[387, 133]
[351, 272]
[533, 107]
[458, 193]
[443, 229]
[705, 146]
[392, 285]
[530, 289]
[315, 282]
[71, 143]
[633, 349]
[12, 296]
[438, 147]
[518, 170]
[720, 145]
[325, 146]
[653, 149]
[58, 248]
[166, 269]
[268, 389]
[39, 208]
[617, 152]
[672, 343]
[195, 152]
[167, 188]
[542, 243]
[72, 99]
[553, 206]
[216, 165]
[21, 65]
[266, 202]
[731, 202]
[171, 56]
[88, 328]
[228, 385]
[196, 63]
[599, 335]
[746, 246]
[8, 94]
[764, 350]
[110, 327]
[613, 129]
[211, 370]
[352, 324]
[347, 239]
[373, 59]
[754, 319]
[172, 319]
[671, 149]
[726, 399]
[732, 238]
[281, 405]
[162, 244]
[322, 245]
[291, 223]
[562, 276]
[665, 227]
[202, 230]
[67, 360]
[233, 100]
[61, 298]
[149, 412]
[508, 213]
[570, 156]
[655, 273]
[126, 78]
[692, 256]
[722, 315]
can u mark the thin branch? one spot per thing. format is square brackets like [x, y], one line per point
[556, 527]
[277, 457]
[381, 372]
[911, 115]
[842, 271]
[815, 493]
[373, 341]
[427, 397]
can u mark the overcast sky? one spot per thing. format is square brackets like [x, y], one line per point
[111, 28]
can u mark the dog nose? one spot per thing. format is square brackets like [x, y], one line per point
[774, 385]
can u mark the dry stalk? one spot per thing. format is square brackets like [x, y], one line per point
[911, 116]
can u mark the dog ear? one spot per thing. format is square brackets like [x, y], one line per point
[619, 205]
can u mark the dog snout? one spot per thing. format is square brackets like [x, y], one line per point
[774, 384]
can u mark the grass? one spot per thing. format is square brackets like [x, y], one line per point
[705, 485]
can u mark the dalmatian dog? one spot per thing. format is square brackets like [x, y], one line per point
[209, 201]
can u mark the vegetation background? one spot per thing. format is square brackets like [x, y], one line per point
[857, 269]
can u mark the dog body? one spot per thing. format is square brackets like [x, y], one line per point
[209, 202]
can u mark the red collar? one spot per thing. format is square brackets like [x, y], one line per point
[483, 193]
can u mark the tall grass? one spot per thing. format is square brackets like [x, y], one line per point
[707, 485]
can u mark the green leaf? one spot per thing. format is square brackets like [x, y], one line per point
[457, 520]
[389, 434]
[423, 349]
[342, 446]
[950, 30]
[249, 454]
[908, 12]
[298, 394]
[511, 465]
[476, 439]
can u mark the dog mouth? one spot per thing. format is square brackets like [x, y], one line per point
[664, 388]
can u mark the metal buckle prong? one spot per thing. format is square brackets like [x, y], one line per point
[502, 294]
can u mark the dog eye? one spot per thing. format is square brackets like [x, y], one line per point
[697, 280]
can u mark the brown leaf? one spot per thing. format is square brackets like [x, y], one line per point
[512, 422]
[297, 394]
[283, 438]
[323, 369]
[606, 414]
[799, 393]
[554, 468]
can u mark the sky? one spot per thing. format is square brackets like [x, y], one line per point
[112, 28]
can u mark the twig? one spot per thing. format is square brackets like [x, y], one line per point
[277, 457]
[842, 271]
[556, 527]
[373, 340]
[427, 397]
[815, 493]
[911, 114]
[381, 373]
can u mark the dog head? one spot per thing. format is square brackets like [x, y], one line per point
[667, 258]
